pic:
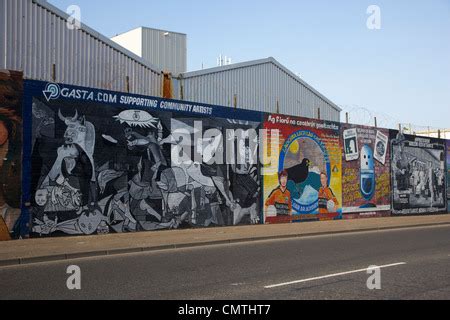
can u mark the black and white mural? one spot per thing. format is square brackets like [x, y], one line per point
[99, 168]
[418, 174]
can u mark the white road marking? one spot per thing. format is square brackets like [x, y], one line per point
[331, 275]
[237, 284]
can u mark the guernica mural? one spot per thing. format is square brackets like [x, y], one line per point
[11, 89]
[306, 183]
[418, 174]
[365, 171]
[101, 168]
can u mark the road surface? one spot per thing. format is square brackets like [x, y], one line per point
[416, 265]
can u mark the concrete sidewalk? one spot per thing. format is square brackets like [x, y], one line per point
[53, 249]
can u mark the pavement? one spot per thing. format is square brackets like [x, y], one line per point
[65, 248]
[414, 264]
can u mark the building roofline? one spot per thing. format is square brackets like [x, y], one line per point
[258, 62]
[233, 66]
[148, 28]
[122, 33]
[162, 30]
[48, 6]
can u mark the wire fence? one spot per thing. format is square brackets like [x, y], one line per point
[363, 116]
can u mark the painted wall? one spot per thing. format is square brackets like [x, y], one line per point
[448, 174]
[365, 171]
[96, 162]
[418, 174]
[306, 184]
[11, 91]
[101, 168]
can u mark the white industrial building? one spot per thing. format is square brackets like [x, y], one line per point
[165, 49]
[35, 39]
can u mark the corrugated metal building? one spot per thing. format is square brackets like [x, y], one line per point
[263, 85]
[165, 49]
[35, 39]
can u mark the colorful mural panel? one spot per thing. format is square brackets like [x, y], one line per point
[305, 184]
[365, 171]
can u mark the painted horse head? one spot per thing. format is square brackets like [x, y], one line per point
[80, 132]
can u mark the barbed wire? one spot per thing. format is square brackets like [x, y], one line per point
[365, 116]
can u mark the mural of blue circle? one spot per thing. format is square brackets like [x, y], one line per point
[304, 195]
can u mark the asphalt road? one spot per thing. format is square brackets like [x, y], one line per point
[244, 271]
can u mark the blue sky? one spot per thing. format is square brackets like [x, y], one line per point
[400, 73]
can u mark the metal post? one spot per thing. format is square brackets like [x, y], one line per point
[346, 117]
[54, 72]
[235, 101]
[376, 124]
[278, 107]
[127, 84]
[318, 113]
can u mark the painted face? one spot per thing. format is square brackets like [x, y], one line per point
[381, 149]
[283, 181]
[89, 222]
[324, 180]
[367, 176]
[75, 133]
[41, 197]
[68, 196]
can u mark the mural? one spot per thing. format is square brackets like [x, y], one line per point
[11, 90]
[448, 174]
[418, 174]
[306, 184]
[365, 171]
[98, 162]
[103, 168]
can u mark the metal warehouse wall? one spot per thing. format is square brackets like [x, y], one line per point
[167, 52]
[34, 36]
[258, 86]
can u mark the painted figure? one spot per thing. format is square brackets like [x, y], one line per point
[328, 202]
[280, 198]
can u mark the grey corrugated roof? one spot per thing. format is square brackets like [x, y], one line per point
[99, 36]
[254, 63]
